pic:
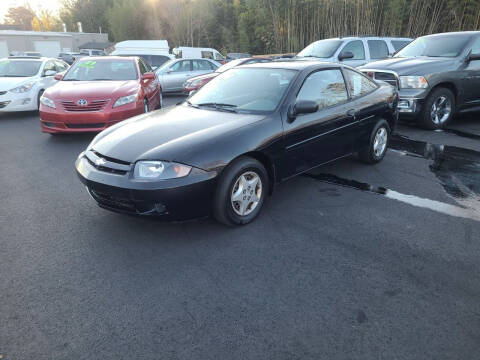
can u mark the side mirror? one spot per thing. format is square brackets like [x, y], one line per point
[49, 73]
[473, 57]
[345, 55]
[58, 76]
[148, 76]
[302, 107]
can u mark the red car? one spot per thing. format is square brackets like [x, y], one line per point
[197, 82]
[97, 92]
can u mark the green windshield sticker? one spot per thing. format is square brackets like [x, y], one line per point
[4, 62]
[88, 64]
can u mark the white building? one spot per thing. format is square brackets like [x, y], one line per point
[46, 43]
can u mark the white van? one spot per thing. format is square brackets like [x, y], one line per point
[154, 52]
[183, 52]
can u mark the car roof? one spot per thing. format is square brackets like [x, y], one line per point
[455, 33]
[293, 64]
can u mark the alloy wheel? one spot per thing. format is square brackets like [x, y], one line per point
[380, 142]
[441, 110]
[246, 193]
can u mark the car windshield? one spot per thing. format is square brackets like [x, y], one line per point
[435, 46]
[321, 49]
[229, 65]
[254, 90]
[90, 70]
[19, 68]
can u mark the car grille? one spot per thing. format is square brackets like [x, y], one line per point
[3, 92]
[86, 126]
[107, 164]
[112, 201]
[4, 103]
[95, 105]
[388, 77]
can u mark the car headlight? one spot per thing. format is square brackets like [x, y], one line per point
[125, 100]
[47, 102]
[23, 88]
[413, 82]
[160, 170]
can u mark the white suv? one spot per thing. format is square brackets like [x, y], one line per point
[24, 79]
[353, 51]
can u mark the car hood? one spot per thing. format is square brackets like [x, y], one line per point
[8, 83]
[175, 134]
[91, 90]
[411, 66]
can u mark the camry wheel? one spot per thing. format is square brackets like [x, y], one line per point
[378, 145]
[241, 192]
[438, 109]
[145, 106]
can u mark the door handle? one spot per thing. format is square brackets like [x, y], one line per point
[352, 113]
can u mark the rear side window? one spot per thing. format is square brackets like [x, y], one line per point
[207, 55]
[399, 44]
[378, 49]
[356, 47]
[200, 65]
[325, 87]
[358, 84]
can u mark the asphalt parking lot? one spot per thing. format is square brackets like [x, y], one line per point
[347, 262]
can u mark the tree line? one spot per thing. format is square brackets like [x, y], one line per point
[255, 26]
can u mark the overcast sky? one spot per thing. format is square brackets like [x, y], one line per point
[52, 5]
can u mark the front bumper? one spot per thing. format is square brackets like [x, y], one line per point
[11, 102]
[410, 102]
[180, 199]
[61, 121]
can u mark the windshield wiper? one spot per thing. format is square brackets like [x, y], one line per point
[101, 80]
[14, 76]
[192, 105]
[71, 80]
[220, 106]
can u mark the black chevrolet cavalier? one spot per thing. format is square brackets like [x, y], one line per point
[222, 151]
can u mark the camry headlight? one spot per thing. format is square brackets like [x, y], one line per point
[125, 100]
[413, 82]
[23, 88]
[47, 102]
[160, 170]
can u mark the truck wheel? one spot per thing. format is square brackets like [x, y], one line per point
[438, 109]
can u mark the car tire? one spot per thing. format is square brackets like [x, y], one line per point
[160, 100]
[234, 206]
[40, 93]
[145, 105]
[378, 145]
[438, 109]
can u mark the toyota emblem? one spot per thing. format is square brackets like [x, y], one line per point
[82, 102]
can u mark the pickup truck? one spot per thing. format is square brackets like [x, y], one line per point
[437, 76]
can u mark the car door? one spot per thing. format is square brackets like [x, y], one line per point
[367, 110]
[357, 48]
[378, 49]
[201, 67]
[176, 74]
[313, 139]
[471, 77]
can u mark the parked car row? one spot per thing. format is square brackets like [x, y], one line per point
[246, 125]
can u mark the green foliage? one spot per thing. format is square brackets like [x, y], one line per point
[261, 26]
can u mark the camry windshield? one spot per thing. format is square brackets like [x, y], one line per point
[19, 68]
[256, 90]
[91, 70]
[321, 49]
[435, 46]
